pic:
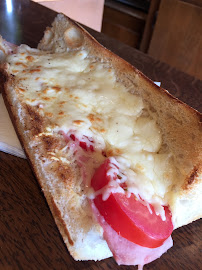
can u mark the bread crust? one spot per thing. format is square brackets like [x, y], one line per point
[33, 125]
[179, 124]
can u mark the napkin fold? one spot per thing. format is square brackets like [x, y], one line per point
[9, 142]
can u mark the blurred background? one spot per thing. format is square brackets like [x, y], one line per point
[168, 30]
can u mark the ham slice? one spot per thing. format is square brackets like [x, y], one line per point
[126, 252]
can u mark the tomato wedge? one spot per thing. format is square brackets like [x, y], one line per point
[128, 216]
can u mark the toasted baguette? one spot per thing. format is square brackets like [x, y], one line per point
[180, 124]
[61, 182]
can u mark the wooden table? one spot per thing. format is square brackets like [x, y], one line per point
[29, 238]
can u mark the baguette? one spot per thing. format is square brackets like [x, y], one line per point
[42, 108]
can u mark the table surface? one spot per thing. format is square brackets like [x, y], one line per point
[29, 238]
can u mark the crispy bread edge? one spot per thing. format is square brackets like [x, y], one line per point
[13, 116]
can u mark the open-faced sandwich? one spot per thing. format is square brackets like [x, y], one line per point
[117, 157]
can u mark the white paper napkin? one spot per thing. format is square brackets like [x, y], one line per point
[9, 142]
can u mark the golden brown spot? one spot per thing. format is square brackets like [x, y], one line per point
[118, 151]
[50, 143]
[109, 70]
[22, 64]
[78, 122]
[73, 37]
[21, 89]
[93, 118]
[102, 130]
[91, 66]
[61, 113]
[62, 102]
[37, 78]
[46, 98]
[98, 119]
[15, 70]
[57, 88]
[34, 121]
[97, 129]
[22, 53]
[113, 152]
[34, 70]
[76, 97]
[48, 114]
[109, 153]
[63, 172]
[70, 96]
[45, 90]
[30, 58]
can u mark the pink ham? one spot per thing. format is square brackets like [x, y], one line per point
[126, 252]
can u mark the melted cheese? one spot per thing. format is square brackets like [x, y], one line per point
[82, 96]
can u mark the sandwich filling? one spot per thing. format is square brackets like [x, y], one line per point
[98, 118]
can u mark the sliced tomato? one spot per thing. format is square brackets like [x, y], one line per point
[128, 216]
